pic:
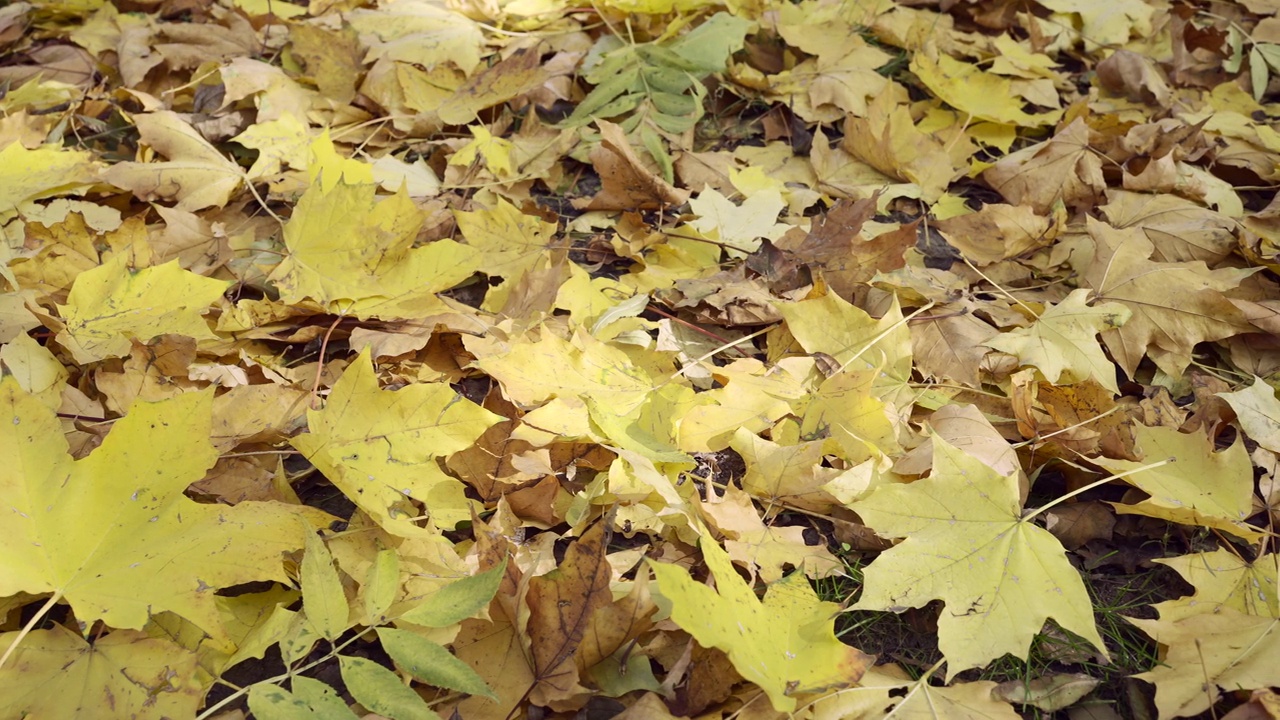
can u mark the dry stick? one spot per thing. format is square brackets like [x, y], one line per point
[324, 345]
[1039, 438]
[1027, 515]
[871, 343]
[658, 311]
[31, 624]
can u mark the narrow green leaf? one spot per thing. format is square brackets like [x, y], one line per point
[1270, 53]
[1258, 73]
[324, 700]
[323, 599]
[604, 94]
[1236, 42]
[381, 690]
[382, 584]
[271, 702]
[457, 601]
[432, 663]
[658, 151]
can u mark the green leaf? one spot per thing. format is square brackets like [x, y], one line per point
[708, 46]
[431, 663]
[324, 701]
[381, 584]
[271, 702]
[605, 93]
[381, 690]
[323, 599]
[457, 601]
[1236, 42]
[1258, 73]
[1270, 53]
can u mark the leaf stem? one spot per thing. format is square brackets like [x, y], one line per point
[31, 625]
[1032, 513]
[333, 652]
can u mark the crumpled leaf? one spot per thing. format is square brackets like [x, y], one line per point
[195, 175]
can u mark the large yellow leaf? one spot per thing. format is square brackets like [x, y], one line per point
[786, 644]
[355, 254]
[126, 674]
[967, 544]
[112, 304]
[113, 533]
[1197, 487]
[380, 447]
[1063, 342]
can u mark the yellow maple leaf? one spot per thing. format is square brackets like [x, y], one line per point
[785, 644]
[1207, 651]
[971, 90]
[380, 446]
[56, 673]
[969, 545]
[355, 254]
[1196, 487]
[113, 533]
[196, 175]
[27, 175]
[1063, 342]
[112, 304]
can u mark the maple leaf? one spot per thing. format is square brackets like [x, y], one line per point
[785, 644]
[1196, 487]
[1174, 305]
[1258, 412]
[380, 447]
[196, 175]
[969, 545]
[1223, 580]
[30, 175]
[1062, 343]
[1226, 649]
[113, 534]
[112, 304]
[55, 673]
[1061, 168]
[355, 254]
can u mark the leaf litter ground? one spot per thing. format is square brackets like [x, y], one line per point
[394, 358]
